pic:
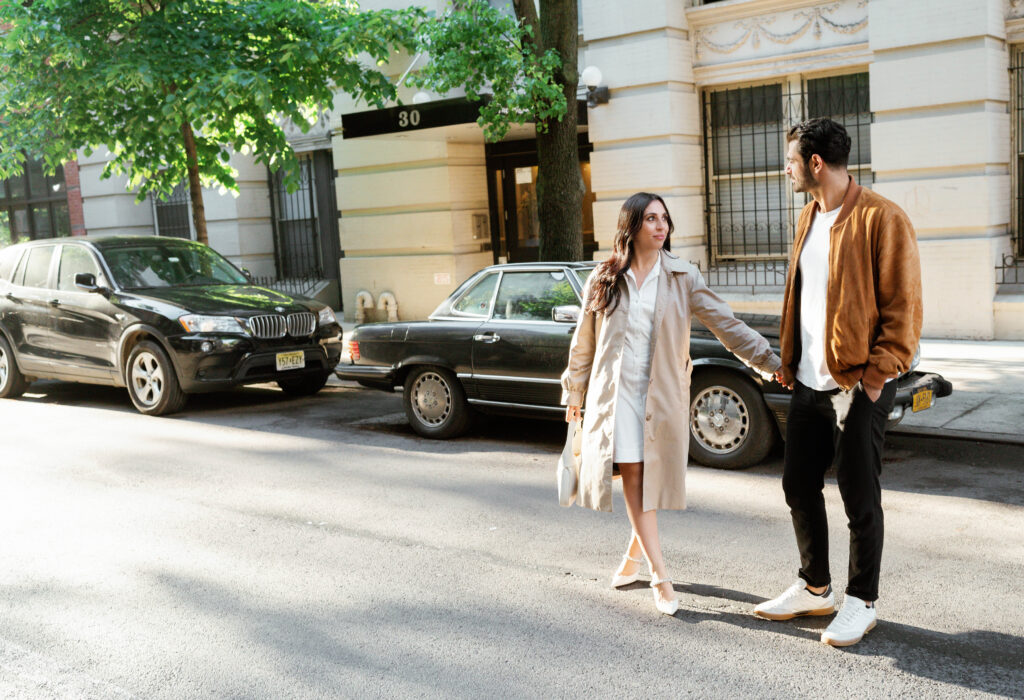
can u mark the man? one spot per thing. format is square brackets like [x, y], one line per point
[851, 321]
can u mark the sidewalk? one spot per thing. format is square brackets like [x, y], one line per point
[988, 391]
[987, 402]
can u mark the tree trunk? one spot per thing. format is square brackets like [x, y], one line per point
[195, 188]
[559, 182]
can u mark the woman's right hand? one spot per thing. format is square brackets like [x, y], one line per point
[572, 413]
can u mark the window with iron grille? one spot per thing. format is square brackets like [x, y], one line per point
[298, 220]
[750, 204]
[1011, 269]
[173, 214]
[33, 205]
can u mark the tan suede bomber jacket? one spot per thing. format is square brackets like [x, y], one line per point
[873, 310]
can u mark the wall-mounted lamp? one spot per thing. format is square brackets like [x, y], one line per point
[421, 97]
[597, 94]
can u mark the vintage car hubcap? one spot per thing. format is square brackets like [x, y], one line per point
[147, 378]
[431, 398]
[4, 369]
[719, 419]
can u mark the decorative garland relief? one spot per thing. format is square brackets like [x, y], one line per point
[756, 30]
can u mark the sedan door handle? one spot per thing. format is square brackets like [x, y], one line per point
[487, 337]
[54, 302]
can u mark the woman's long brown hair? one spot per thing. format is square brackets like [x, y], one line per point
[605, 292]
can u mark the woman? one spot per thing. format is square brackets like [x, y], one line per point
[632, 350]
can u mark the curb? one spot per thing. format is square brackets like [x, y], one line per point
[954, 434]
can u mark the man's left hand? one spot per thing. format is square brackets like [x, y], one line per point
[873, 394]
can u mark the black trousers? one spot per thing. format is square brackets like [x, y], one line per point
[814, 439]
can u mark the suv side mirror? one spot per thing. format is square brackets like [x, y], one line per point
[87, 281]
[566, 314]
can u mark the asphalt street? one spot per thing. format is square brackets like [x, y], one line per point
[260, 546]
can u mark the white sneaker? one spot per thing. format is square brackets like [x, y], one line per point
[796, 601]
[854, 620]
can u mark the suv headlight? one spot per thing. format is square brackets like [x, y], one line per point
[194, 323]
[326, 316]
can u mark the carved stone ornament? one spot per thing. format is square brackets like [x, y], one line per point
[1016, 9]
[319, 132]
[822, 26]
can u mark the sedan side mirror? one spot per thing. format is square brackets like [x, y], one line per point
[247, 273]
[86, 281]
[566, 314]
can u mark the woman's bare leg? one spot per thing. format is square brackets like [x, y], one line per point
[645, 524]
[633, 551]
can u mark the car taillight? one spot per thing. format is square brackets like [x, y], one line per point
[353, 349]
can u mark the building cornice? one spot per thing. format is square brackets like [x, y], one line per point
[798, 26]
[803, 63]
[715, 13]
[1015, 30]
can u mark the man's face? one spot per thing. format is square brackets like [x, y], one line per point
[799, 172]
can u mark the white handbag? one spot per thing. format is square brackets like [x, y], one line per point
[568, 471]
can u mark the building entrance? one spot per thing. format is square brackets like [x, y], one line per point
[512, 195]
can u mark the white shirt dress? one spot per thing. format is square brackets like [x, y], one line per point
[634, 377]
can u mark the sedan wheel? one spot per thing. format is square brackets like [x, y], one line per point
[152, 383]
[729, 423]
[435, 403]
[12, 382]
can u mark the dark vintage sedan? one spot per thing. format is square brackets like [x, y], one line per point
[499, 344]
[164, 317]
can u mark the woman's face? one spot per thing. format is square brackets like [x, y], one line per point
[654, 229]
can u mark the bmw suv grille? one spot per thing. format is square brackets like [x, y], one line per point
[269, 326]
[300, 324]
[275, 326]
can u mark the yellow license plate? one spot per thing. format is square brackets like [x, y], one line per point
[922, 400]
[297, 360]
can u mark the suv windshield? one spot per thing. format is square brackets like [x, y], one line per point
[163, 264]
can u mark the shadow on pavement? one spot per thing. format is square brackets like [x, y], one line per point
[979, 660]
[356, 415]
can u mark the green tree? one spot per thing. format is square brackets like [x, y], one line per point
[527, 65]
[172, 87]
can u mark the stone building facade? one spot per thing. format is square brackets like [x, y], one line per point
[701, 94]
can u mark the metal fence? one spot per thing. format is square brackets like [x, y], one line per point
[751, 209]
[296, 224]
[1011, 269]
[303, 285]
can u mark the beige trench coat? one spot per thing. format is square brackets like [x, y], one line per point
[595, 360]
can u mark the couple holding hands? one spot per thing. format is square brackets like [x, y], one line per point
[851, 321]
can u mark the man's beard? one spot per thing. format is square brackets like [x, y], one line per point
[805, 183]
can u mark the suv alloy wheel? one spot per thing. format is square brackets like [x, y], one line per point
[152, 382]
[12, 381]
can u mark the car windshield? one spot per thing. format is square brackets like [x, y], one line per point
[148, 265]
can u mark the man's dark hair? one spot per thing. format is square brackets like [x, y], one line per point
[822, 136]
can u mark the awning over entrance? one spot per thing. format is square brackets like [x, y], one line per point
[428, 115]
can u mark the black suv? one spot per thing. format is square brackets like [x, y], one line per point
[164, 317]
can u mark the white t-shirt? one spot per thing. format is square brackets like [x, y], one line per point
[812, 371]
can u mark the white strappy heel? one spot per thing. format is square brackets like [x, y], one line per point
[619, 580]
[669, 607]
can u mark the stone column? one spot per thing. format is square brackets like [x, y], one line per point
[413, 217]
[648, 136]
[940, 147]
